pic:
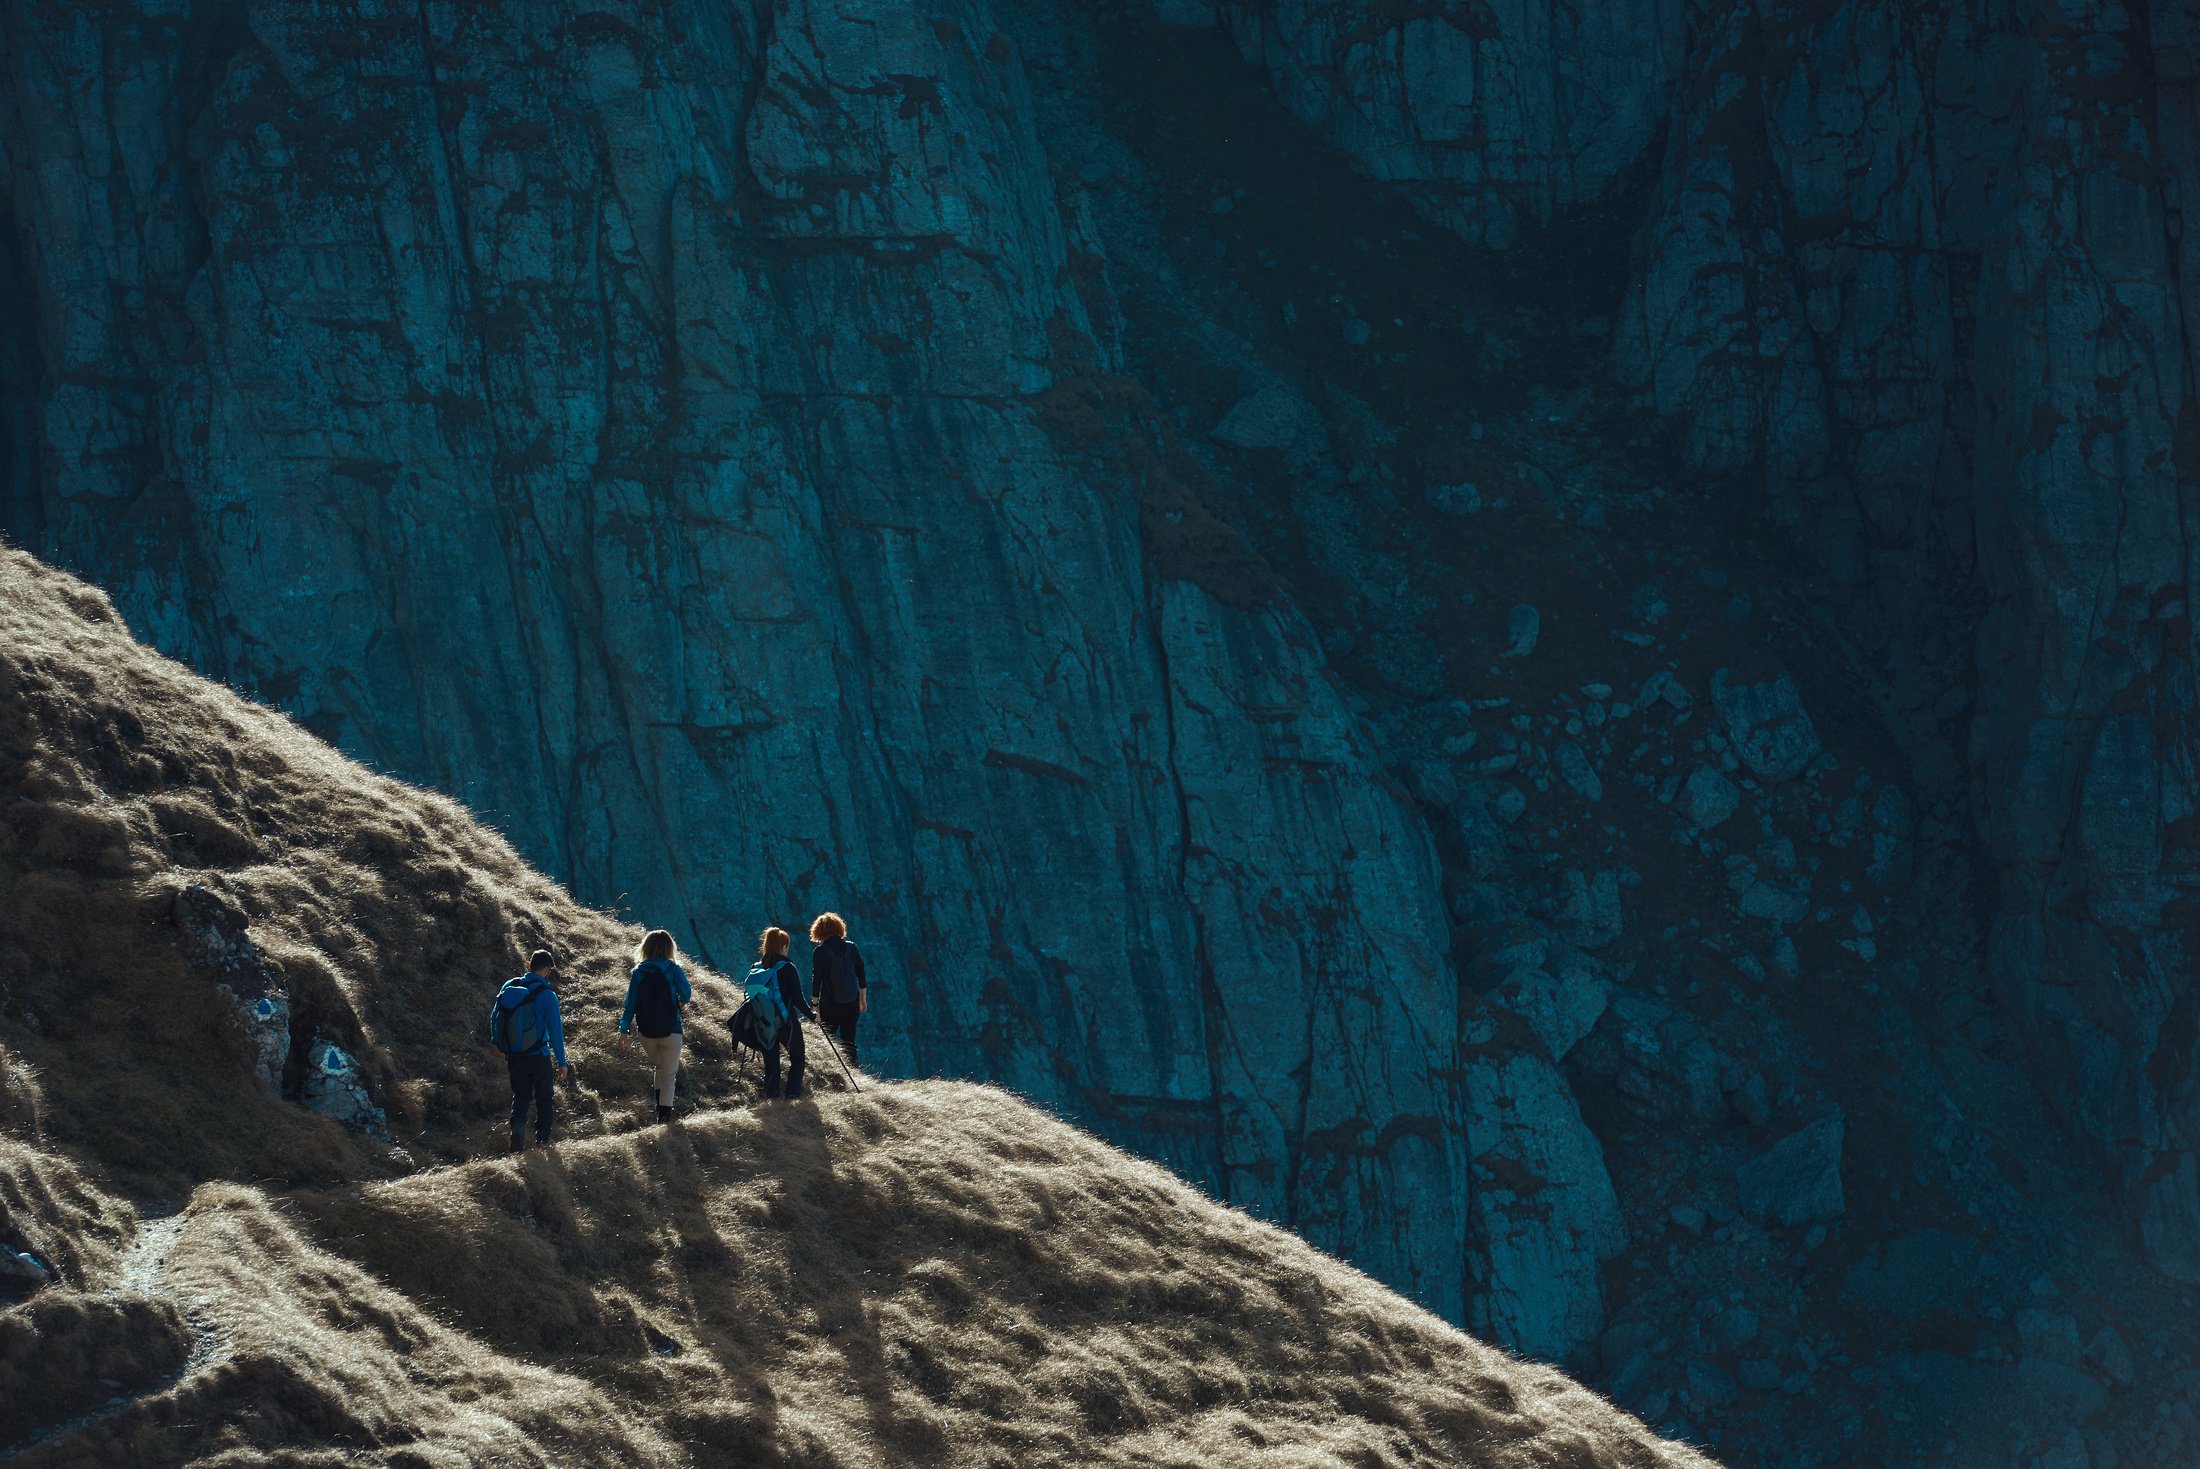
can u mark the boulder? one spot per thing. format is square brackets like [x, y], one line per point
[1561, 1008]
[1661, 1062]
[2108, 1354]
[1767, 723]
[1523, 625]
[1574, 768]
[1709, 798]
[1589, 913]
[1542, 1211]
[1664, 687]
[336, 1088]
[1775, 902]
[1272, 417]
[1798, 1179]
[22, 1272]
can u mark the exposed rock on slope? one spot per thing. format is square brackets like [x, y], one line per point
[928, 1273]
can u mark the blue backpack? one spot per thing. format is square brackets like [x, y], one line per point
[517, 1029]
[764, 1003]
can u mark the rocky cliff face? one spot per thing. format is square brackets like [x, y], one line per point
[673, 432]
[1549, 643]
[1925, 279]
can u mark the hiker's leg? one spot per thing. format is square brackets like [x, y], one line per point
[663, 1063]
[797, 1056]
[546, 1098]
[523, 1093]
[771, 1071]
[848, 1019]
[668, 1069]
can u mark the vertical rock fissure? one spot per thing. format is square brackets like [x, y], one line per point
[1215, 1018]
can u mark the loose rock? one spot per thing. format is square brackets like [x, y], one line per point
[336, 1088]
[1523, 625]
[1709, 798]
[1798, 1179]
[1767, 723]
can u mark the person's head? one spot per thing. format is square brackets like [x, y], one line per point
[656, 944]
[827, 926]
[541, 962]
[771, 944]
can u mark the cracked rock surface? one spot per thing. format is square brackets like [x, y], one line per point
[1549, 643]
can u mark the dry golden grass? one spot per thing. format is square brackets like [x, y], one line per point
[935, 1272]
[928, 1273]
[391, 914]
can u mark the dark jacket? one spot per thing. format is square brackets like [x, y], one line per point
[681, 992]
[790, 990]
[836, 973]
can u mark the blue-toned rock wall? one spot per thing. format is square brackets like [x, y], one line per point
[1549, 643]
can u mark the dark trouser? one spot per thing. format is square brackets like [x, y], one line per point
[534, 1080]
[790, 1036]
[841, 1021]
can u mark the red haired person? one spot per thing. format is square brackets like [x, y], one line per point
[837, 984]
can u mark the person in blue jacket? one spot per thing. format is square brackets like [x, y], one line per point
[526, 1025]
[655, 991]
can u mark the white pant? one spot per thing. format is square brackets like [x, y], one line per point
[664, 1054]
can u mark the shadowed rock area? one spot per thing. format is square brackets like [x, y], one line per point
[1549, 644]
[929, 1272]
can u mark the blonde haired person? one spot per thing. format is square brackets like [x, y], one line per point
[837, 981]
[774, 967]
[655, 991]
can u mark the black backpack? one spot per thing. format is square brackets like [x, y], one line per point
[655, 1014]
[751, 1028]
[835, 961]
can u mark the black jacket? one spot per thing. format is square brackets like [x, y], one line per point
[835, 965]
[790, 990]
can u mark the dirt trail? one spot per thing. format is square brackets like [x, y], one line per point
[144, 1272]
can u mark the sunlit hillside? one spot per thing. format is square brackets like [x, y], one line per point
[204, 1268]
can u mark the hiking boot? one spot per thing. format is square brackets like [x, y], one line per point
[664, 1114]
[518, 1143]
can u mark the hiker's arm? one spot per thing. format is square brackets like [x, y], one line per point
[626, 1016]
[557, 1030]
[790, 985]
[863, 982]
[682, 991]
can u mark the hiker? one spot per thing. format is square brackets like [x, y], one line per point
[837, 981]
[655, 991]
[526, 1026]
[774, 968]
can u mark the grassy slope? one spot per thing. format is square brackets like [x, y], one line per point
[928, 1273]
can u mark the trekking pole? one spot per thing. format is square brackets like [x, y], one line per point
[844, 1071]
